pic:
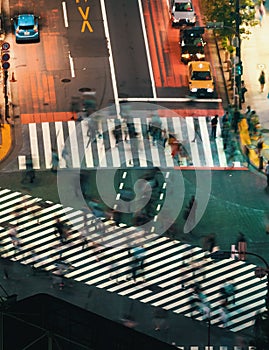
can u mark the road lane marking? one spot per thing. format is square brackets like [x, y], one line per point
[168, 99]
[47, 144]
[206, 141]
[34, 145]
[73, 141]
[71, 62]
[147, 49]
[110, 58]
[85, 17]
[65, 14]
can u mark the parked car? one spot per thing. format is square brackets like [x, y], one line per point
[182, 13]
[200, 78]
[192, 44]
[26, 28]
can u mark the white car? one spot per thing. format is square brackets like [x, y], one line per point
[182, 13]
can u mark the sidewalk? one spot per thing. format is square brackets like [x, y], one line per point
[254, 54]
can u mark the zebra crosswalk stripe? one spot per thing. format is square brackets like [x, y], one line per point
[163, 268]
[103, 152]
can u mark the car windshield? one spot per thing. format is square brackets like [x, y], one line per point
[197, 75]
[183, 7]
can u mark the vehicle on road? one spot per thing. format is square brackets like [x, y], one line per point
[182, 13]
[192, 44]
[26, 28]
[200, 79]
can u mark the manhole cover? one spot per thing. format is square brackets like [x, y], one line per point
[65, 80]
[84, 89]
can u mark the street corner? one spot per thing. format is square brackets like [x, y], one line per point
[5, 140]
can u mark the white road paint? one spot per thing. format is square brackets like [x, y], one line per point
[147, 49]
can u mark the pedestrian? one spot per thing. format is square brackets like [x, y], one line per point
[138, 257]
[262, 80]
[164, 137]
[210, 242]
[228, 291]
[224, 314]
[241, 246]
[259, 145]
[243, 91]
[196, 130]
[30, 172]
[66, 157]
[155, 129]
[61, 230]
[54, 161]
[214, 123]
[124, 129]
[236, 119]
[267, 172]
[117, 133]
[13, 234]
[190, 215]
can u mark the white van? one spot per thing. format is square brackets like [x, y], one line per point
[182, 13]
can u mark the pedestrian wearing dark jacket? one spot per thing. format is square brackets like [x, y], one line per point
[214, 123]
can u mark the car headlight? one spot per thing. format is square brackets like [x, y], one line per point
[194, 89]
[192, 20]
[210, 90]
[185, 55]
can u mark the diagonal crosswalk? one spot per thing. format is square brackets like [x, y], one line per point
[96, 147]
[105, 261]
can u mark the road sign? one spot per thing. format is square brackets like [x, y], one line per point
[5, 46]
[5, 57]
[5, 65]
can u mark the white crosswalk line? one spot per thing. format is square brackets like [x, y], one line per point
[141, 148]
[206, 142]
[202, 154]
[47, 144]
[113, 149]
[87, 145]
[34, 145]
[163, 262]
[73, 143]
[193, 145]
[60, 143]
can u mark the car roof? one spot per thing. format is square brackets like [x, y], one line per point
[26, 19]
[200, 65]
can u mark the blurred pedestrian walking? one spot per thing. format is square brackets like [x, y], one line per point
[262, 80]
[267, 172]
[13, 234]
[66, 157]
[236, 120]
[214, 123]
[224, 314]
[243, 91]
[196, 130]
[138, 257]
[54, 161]
[30, 172]
[190, 215]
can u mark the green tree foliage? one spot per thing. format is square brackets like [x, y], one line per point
[218, 11]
